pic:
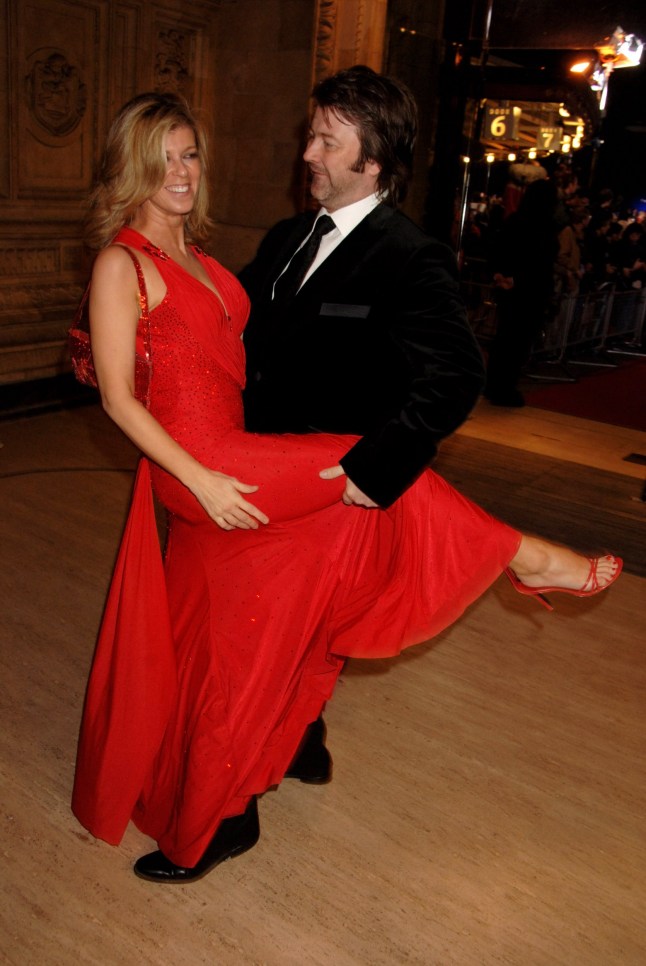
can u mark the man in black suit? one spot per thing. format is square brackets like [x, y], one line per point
[371, 338]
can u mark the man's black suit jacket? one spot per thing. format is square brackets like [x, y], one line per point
[376, 343]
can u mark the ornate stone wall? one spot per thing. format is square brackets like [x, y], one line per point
[65, 67]
[263, 87]
[349, 32]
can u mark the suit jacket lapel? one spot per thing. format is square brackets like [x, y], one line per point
[300, 230]
[351, 250]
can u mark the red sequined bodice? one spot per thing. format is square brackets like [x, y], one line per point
[197, 352]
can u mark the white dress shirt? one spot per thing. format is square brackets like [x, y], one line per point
[345, 219]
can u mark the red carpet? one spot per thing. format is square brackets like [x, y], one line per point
[616, 396]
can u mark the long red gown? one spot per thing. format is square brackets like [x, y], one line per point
[209, 667]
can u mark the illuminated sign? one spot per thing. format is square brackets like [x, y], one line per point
[501, 121]
[549, 138]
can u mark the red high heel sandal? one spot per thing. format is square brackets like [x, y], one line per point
[589, 589]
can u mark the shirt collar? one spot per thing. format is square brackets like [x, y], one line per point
[349, 217]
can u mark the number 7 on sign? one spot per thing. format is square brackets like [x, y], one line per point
[549, 138]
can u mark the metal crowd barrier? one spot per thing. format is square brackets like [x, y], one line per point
[481, 308]
[587, 330]
[579, 330]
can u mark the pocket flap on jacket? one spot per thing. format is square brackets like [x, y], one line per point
[349, 311]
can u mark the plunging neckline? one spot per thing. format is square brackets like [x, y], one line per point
[155, 251]
[214, 323]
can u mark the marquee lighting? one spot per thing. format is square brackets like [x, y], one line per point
[621, 50]
[615, 52]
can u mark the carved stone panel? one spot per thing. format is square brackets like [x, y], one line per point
[66, 66]
[349, 32]
[175, 60]
[326, 27]
[56, 69]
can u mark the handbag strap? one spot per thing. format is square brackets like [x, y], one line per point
[143, 302]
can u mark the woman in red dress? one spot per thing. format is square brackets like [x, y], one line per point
[210, 665]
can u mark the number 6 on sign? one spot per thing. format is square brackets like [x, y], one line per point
[502, 121]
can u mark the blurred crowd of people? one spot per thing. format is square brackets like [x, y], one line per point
[544, 239]
[601, 240]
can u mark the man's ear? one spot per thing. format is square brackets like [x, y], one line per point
[371, 167]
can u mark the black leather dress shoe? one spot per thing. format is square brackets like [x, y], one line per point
[234, 836]
[312, 763]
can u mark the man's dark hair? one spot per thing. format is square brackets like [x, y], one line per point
[385, 115]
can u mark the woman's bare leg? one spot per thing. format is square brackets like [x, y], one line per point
[539, 563]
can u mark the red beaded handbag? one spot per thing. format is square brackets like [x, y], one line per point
[81, 347]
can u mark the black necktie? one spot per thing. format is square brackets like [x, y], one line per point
[288, 284]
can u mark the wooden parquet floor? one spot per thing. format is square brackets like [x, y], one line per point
[594, 511]
[488, 798]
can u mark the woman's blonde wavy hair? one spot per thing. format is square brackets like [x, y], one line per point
[134, 167]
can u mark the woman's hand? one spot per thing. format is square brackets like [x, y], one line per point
[221, 497]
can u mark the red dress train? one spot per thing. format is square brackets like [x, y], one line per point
[209, 667]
